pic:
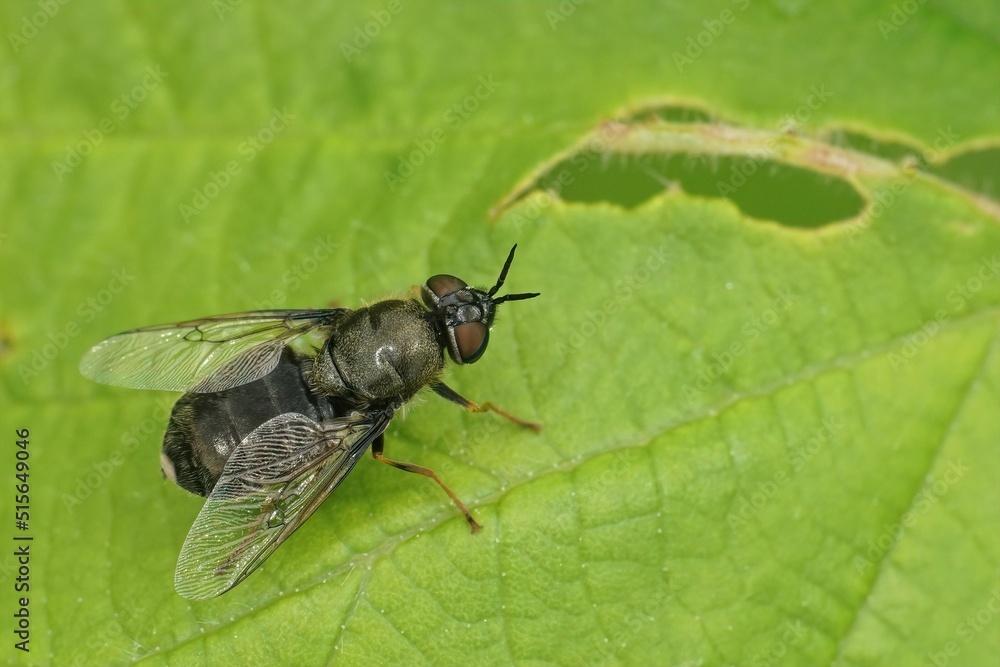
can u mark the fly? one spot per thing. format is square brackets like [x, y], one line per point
[279, 406]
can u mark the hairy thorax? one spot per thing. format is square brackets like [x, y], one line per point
[384, 352]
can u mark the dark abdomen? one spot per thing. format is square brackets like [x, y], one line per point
[205, 428]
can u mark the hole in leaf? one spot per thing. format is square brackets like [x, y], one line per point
[761, 188]
[670, 113]
[976, 169]
[893, 151]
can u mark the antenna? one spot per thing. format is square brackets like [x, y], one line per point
[503, 272]
[517, 297]
[503, 276]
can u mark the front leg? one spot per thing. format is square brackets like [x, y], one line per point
[443, 390]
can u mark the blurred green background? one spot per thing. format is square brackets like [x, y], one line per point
[766, 234]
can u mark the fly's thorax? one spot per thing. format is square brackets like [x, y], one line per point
[386, 351]
[323, 375]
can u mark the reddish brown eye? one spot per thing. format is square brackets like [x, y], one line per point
[471, 339]
[442, 284]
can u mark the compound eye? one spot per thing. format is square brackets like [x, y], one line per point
[442, 284]
[470, 341]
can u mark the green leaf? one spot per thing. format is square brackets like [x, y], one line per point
[769, 380]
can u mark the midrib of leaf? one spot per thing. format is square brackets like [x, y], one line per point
[885, 557]
[805, 375]
[711, 139]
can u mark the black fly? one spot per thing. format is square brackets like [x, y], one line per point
[281, 404]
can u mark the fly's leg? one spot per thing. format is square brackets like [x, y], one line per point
[379, 444]
[443, 390]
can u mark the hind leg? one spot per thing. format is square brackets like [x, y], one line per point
[377, 453]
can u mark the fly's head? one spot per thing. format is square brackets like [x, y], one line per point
[463, 315]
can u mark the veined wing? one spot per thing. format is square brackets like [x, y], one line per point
[274, 480]
[206, 355]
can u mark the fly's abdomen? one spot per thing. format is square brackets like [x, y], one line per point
[205, 428]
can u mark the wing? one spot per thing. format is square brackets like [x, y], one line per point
[274, 480]
[206, 355]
